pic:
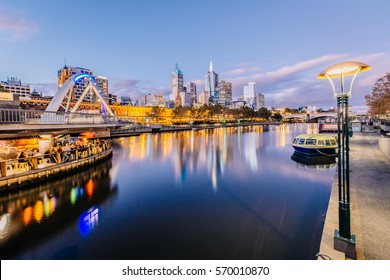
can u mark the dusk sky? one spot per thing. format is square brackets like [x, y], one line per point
[279, 45]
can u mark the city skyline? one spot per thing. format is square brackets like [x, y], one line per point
[281, 46]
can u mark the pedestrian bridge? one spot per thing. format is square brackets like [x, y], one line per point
[61, 115]
[310, 116]
[26, 123]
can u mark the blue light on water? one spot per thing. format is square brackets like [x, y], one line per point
[89, 220]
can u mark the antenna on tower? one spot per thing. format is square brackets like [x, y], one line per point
[211, 65]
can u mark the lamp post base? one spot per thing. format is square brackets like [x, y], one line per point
[345, 245]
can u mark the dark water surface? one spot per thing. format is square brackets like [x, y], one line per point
[228, 193]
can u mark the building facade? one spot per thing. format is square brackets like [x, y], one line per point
[151, 100]
[102, 82]
[225, 93]
[211, 85]
[15, 86]
[177, 83]
[191, 89]
[203, 98]
[112, 99]
[126, 100]
[67, 71]
[253, 99]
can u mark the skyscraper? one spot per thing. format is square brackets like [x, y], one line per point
[103, 86]
[225, 93]
[191, 89]
[177, 84]
[203, 98]
[211, 85]
[252, 98]
[250, 90]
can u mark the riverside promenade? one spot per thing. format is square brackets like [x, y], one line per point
[370, 201]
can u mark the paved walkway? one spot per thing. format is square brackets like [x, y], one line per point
[370, 202]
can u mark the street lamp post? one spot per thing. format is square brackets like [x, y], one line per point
[343, 240]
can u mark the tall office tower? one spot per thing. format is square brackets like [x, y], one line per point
[186, 100]
[203, 98]
[151, 100]
[260, 102]
[102, 82]
[252, 98]
[15, 86]
[191, 89]
[225, 93]
[250, 90]
[177, 83]
[66, 72]
[211, 85]
[249, 95]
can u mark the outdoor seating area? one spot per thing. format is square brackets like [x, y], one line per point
[58, 153]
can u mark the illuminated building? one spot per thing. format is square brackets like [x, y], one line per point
[225, 93]
[211, 85]
[191, 89]
[204, 97]
[177, 85]
[103, 86]
[66, 72]
[253, 99]
[151, 100]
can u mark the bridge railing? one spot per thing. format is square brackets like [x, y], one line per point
[17, 116]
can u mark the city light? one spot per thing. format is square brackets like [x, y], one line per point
[343, 239]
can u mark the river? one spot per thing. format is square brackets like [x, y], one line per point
[226, 193]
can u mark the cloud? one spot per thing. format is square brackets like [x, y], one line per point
[241, 70]
[16, 28]
[47, 89]
[296, 85]
[134, 88]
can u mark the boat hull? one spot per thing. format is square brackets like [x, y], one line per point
[314, 151]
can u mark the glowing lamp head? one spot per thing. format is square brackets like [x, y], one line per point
[346, 68]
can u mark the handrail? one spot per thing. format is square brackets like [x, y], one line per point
[19, 116]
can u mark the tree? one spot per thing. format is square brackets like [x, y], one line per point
[264, 113]
[379, 101]
[247, 112]
[180, 112]
[277, 117]
[155, 113]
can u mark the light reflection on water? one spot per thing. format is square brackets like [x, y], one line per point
[227, 193]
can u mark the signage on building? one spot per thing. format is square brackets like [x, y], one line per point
[6, 96]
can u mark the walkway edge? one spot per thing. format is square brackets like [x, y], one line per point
[331, 223]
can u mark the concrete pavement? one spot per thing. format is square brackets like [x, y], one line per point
[370, 202]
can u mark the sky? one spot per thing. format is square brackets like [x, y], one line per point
[280, 45]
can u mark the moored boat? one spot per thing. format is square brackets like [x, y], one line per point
[315, 144]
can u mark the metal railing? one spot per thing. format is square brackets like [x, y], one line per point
[17, 116]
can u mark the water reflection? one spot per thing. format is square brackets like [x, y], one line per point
[211, 149]
[31, 217]
[227, 193]
[89, 220]
[318, 162]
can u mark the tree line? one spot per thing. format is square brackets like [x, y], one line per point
[214, 113]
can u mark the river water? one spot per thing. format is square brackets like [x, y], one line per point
[226, 193]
